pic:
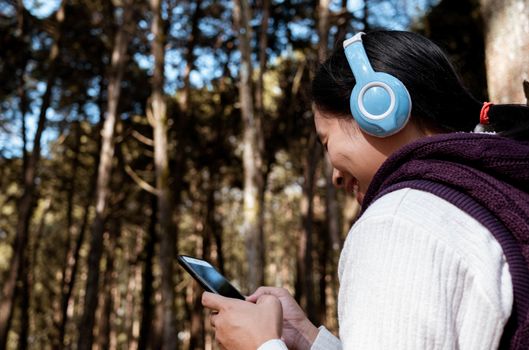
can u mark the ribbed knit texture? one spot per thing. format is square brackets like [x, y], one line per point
[418, 273]
[494, 172]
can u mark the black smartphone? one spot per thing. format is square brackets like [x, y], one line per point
[208, 277]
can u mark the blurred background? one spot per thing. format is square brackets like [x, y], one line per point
[132, 131]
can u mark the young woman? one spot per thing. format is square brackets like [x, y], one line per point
[439, 257]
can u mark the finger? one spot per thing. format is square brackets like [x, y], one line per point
[214, 301]
[219, 344]
[212, 319]
[278, 292]
[259, 292]
[268, 299]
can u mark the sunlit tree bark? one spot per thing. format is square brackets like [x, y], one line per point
[167, 231]
[252, 160]
[29, 196]
[118, 60]
[506, 55]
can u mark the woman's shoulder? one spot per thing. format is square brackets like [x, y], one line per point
[422, 209]
[420, 213]
[428, 221]
[409, 220]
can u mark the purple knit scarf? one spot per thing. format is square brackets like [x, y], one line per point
[486, 174]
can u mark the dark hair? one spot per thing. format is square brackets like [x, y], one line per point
[439, 99]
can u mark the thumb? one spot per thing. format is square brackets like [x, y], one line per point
[214, 301]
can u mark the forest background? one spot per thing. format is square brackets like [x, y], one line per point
[132, 131]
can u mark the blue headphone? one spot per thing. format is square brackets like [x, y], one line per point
[379, 102]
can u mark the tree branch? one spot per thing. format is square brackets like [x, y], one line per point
[143, 139]
[139, 181]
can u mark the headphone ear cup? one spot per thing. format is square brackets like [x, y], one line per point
[380, 105]
[379, 102]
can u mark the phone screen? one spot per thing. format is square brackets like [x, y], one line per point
[209, 277]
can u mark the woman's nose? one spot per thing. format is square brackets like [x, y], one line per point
[337, 178]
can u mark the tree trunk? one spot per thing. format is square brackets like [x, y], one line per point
[103, 180]
[323, 29]
[156, 338]
[26, 270]
[27, 202]
[252, 160]
[161, 160]
[196, 341]
[189, 57]
[331, 205]
[209, 225]
[70, 187]
[22, 26]
[72, 261]
[305, 273]
[134, 281]
[147, 279]
[262, 173]
[29, 280]
[25, 295]
[259, 86]
[506, 42]
[342, 23]
[107, 287]
[70, 275]
[365, 16]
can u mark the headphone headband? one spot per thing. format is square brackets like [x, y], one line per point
[357, 57]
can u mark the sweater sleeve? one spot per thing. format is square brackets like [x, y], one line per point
[326, 341]
[416, 273]
[273, 344]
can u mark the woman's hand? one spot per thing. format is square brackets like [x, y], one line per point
[298, 332]
[240, 325]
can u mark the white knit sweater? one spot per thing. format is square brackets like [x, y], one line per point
[416, 272]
